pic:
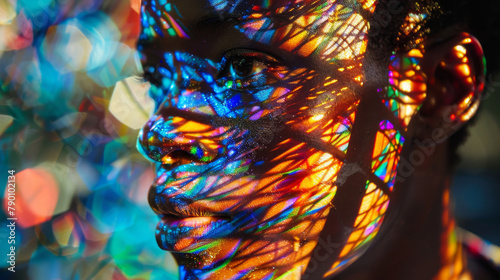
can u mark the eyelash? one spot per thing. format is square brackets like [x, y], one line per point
[151, 76]
[139, 78]
[256, 78]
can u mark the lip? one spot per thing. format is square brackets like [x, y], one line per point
[172, 203]
[190, 215]
[192, 222]
[187, 234]
[187, 224]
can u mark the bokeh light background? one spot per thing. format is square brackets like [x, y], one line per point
[69, 119]
[70, 111]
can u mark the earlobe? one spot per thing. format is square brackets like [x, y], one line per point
[455, 71]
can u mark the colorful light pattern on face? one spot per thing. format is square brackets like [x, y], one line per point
[388, 145]
[249, 147]
[369, 219]
[331, 30]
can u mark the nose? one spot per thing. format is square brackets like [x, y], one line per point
[193, 121]
[170, 139]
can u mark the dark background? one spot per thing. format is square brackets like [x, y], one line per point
[476, 184]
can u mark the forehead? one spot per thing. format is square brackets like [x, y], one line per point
[332, 29]
[195, 10]
[192, 9]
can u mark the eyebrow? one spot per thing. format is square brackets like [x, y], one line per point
[217, 20]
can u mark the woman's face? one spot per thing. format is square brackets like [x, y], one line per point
[263, 130]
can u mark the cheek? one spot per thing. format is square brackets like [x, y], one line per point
[296, 183]
[366, 226]
[386, 154]
[294, 196]
[375, 201]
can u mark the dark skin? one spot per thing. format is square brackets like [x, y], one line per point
[410, 248]
[413, 241]
[300, 151]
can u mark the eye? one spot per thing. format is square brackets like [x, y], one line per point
[150, 75]
[153, 76]
[243, 67]
[248, 68]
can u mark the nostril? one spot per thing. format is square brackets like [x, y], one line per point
[179, 157]
[175, 139]
[168, 151]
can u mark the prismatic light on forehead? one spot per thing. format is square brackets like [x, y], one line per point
[334, 30]
[225, 5]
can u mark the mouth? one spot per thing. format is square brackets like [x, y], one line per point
[189, 234]
[185, 198]
[191, 221]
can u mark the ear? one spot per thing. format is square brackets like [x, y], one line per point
[455, 70]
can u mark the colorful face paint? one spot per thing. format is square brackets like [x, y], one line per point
[263, 132]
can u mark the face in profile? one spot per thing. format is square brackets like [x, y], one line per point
[275, 151]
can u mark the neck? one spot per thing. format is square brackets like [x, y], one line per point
[453, 261]
[417, 240]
